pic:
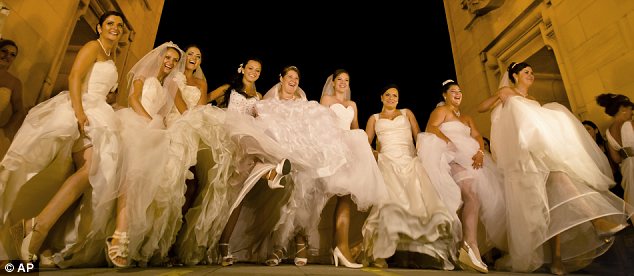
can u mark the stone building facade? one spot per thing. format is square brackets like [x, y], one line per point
[49, 33]
[578, 49]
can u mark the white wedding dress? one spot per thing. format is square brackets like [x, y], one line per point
[40, 158]
[627, 165]
[438, 159]
[198, 137]
[556, 182]
[413, 217]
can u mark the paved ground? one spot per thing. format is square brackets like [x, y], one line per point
[618, 261]
[246, 269]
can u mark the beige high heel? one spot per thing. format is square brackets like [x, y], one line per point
[23, 241]
[468, 260]
[118, 251]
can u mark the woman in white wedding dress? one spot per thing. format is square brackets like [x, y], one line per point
[452, 151]
[220, 176]
[620, 136]
[359, 180]
[148, 204]
[286, 127]
[556, 181]
[76, 124]
[413, 218]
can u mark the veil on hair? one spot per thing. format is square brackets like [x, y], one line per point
[149, 66]
[274, 93]
[329, 88]
[441, 103]
[505, 80]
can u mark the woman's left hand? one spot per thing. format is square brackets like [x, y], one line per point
[478, 160]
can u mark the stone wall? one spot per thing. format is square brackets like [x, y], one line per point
[578, 49]
[48, 32]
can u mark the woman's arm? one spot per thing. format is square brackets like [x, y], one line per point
[202, 85]
[478, 158]
[86, 57]
[18, 108]
[436, 118]
[413, 123]
[216, 93]
[355, 121]
[369, 129]
[135, 99]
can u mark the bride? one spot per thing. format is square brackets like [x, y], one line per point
[556, 181]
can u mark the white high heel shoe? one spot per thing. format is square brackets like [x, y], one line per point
[468, 260]
[337, 255]
[282, 169]
[25, 255]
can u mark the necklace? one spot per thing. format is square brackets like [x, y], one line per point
[456, 112]
[103, 48]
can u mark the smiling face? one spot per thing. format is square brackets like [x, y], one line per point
[290, 82]
[341, 83]
[524, 77]
[170, 59]
[194, 58]
[390, 98]
[453, 95]
[8, 53]
[252, 71]
[111, 28]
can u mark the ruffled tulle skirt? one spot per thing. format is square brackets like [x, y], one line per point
[556, 183]
[40, 159]
[208, 147]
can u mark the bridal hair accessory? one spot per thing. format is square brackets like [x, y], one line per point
[447, 81]
[240, 69]
[513, 65]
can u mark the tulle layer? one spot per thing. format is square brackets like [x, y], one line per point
[213, 157]
[44, 145]
[556, 183]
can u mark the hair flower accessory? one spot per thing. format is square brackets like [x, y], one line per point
[240, 69]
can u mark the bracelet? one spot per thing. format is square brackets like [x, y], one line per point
[481, 151]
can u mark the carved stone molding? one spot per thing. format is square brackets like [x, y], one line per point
[480, 7]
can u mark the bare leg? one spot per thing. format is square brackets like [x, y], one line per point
[69, 192]
[469, 215]
[226, 233]
[342, 225]
[556, 267]
[190, 193]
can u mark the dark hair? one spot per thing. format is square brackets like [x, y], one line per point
[598, 137]
[180, 56]
[339, 72]
[104, 16]
[391, 85]
[5, 42]
[289, 68]
[193, 46]
[612, 102]
[515, 68]
[236, 83]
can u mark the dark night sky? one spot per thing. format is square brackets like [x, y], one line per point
[377, 44]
